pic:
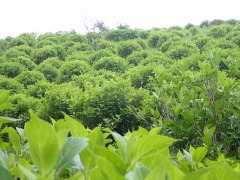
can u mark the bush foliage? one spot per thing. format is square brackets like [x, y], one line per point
[181, 83]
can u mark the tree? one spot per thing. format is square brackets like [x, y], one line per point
[94, 33]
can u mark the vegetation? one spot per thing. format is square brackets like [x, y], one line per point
[122, 104]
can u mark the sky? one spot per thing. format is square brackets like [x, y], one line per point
[41, 16]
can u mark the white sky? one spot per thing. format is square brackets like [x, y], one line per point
[40, 16]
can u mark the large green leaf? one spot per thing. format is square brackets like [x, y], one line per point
[112, 157]
[121, 144]
[3, 159]
[30, 175]
[147, 145]
[203, 174]
[108, 169]
[43, 144]
[71, 148]
[165, 170]
[13, 137]
[198, 154]
[96, 137]
[4, 120]
[140, 173]
[76, 128]
[5, 174]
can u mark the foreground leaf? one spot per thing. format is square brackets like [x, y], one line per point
[5, 174]
[43, 144]
[71, 148]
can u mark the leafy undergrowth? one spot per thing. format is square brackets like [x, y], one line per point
[65, 149]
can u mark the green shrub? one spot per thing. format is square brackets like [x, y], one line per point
[140, 76]
[57, 100]
[128, 47]
[17, 42]
[111, 105]
[216, 22]
[23, 48]
[112, 63]
[21, 105]
[73, 68]
[11, 84]
[14, 53]
[143, 34]
[55, 62]
[77, 38]
[49, 71]
[78, 47]
[29, 38]
[189, 25]
[201, 41]
[204, 24]
[217, 32]
[30, 77]
[107, 45]
[155, 58]
[39, 89]
[99, 54]
[179, 52]
[153, 39]
[44, 53]
[11, 69]
[24, 61]
[136, 57]
[236, 40]
[121, 35]
[82, 56]
[45, 42]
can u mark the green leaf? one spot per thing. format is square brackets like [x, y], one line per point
[177, 110]
[202, 174]
[108, 169]
[113, 157]
[4, 104]
[122, 145]
[5, 174]
[155, 131]
[165, 170]
[27, 173]
[96, 137]
[14, 138]
[140, 173]
[71, 148]
[20, 132]
[199, 154]
[43, 143]
[76, 128]
[4, 120]
[188, 156]
[3, 159]
[216, 60]
[188, 115]
[208, 134]
[147, 145]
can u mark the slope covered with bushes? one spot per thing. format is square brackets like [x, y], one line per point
[183, 80]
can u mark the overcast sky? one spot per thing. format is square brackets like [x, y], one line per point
[40, 16]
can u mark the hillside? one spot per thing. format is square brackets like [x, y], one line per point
[182, 80]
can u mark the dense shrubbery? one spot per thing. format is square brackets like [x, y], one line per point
[184, 81]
